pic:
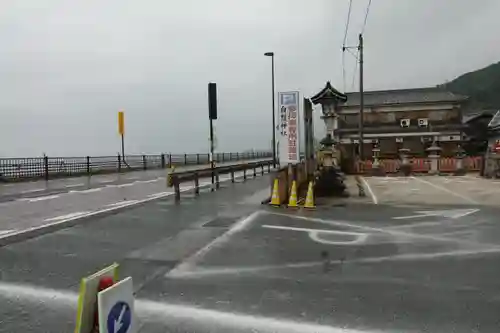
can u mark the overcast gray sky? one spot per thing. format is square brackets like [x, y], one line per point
[67, 67]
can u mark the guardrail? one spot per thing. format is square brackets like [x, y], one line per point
[15, 169]
[176, 178]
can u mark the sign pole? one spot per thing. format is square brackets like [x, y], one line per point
[121, 131]
[212, 114]
[212, 151]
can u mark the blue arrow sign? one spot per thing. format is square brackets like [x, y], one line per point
[119, 318]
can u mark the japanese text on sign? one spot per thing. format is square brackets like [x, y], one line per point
[292, 133]
[289, 127]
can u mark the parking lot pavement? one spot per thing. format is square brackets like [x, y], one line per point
[423, 274]
[434, 190]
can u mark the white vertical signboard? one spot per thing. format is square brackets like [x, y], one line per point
[288, 127]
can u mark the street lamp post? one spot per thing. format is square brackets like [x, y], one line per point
[271, 54]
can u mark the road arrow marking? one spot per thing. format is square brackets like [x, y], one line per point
[119, 321]
[451, 214]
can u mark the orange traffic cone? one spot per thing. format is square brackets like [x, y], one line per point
[310, 197]
[292, 201]
[275, 198]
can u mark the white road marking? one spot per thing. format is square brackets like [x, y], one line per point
[381, 230]
[62, 217]
[146, 181]
[314, 234]
[165, 313]
[191, 261]
[122, 203]
[450, 213]
[49, 197]
[444, 189]
[33, 190]
[160, 194]
[206, 272]
[3, 232]
[90, 190]
[104, 181]
[327, 231]
[122, 185]
[374, 197]
[75, 185]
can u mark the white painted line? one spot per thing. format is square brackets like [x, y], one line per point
[146, 181]
[191, 261]
[49, 197]
[314, 234]
[122, 203]
[75, 185]
[166, 313]
[411, 216]
[374, 197]
[160, 194]
[203, 272]
[90, 190]
[327, 231]
[97, 212]
[122, 185]
[62, 217]
[104, 181]
[33, 191]
[3, 232]
[444, 189]
[367, 229]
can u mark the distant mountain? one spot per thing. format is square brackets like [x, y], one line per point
[482, 87]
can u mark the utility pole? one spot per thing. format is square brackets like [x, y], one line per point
[361, 97]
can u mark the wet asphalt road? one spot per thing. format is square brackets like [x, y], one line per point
[63, 200]
[225, 263]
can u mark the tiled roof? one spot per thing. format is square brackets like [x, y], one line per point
[328, 92]
[416, 95]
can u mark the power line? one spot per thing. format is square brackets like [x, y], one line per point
[347, 22]
[345, 39]
[366, 16]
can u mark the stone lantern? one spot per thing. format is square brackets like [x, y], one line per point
[330, 178]
[328, 151]
[331, 100]
[434, 152]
